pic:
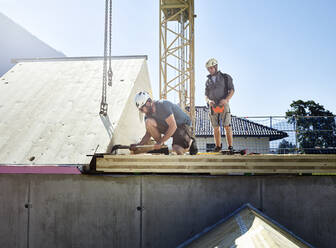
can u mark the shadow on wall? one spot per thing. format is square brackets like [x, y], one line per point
[107, 124]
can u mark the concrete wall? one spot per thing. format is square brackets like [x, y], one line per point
[155, 210]
[69, 211]
[13, 214]
[49, 109]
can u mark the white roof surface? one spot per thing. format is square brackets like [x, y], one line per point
[49, 109]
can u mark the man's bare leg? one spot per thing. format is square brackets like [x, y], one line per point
[217, 136]
[179, 149]
[228, 135]
[151, 127]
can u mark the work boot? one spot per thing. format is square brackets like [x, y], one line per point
[230, 148]
[218, 148]
[193, 150]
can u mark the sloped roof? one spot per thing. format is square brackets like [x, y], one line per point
[245, 227]
[240, 127]
[49, 109]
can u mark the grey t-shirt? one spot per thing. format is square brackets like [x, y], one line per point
[164, 108]
[213, 78]
[215, 86]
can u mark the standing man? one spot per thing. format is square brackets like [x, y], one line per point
[166, 118]
[218, 91]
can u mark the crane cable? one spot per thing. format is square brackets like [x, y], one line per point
[107, 74]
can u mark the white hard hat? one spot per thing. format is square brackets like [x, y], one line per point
[211, 62]
[141, 98]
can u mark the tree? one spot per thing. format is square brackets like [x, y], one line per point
[285, 147]
[315, 126]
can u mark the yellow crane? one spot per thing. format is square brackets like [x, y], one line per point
[177, 75]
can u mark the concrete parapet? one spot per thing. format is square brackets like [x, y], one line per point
[155, 210]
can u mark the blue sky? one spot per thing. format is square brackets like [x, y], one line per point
[276, 51]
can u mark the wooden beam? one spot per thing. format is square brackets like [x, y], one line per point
[217, 164]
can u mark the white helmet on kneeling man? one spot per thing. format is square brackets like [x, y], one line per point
[140, 100]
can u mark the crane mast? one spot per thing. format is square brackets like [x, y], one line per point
[177, 75]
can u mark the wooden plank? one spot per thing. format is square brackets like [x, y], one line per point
[223, 158]
[213, 172]
[101, 162]
[246, 229]
[218, 164]
[261, 156]
[271, 225]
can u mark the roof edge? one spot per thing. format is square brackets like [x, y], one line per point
[244, 206]
[209, 228]
[18, 60]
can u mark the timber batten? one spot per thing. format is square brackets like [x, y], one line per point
[216, 164]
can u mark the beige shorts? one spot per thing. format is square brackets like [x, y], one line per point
[224, 117]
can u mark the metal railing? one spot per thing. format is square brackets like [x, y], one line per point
[306, 134]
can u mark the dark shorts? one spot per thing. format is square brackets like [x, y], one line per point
[182, 135]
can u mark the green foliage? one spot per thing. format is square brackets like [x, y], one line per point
[308, 108]
[285, 147]
[315, 126]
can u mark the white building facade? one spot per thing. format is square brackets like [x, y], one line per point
[253, 137]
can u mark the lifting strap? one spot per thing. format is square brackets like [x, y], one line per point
[107, 74]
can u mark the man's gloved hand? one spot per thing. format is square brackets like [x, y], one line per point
[133, 147]
[158, 146]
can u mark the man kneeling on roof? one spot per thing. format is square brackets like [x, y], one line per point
[165, 119]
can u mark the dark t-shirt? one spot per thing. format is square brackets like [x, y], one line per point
[215, 87]
[164, 108]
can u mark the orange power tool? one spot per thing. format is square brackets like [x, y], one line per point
[218, 109]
